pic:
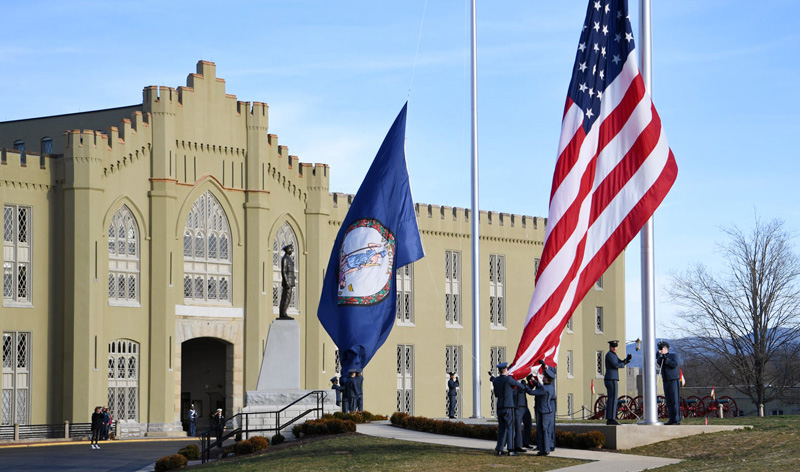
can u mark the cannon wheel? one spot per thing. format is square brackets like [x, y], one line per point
[625, 411]
[697, 410]
[684, 407]
[600, 407]
[729, 408]
[662, 407]
[709, 406]
[638, 406]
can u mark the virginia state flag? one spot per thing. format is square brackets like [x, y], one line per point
[378, 236]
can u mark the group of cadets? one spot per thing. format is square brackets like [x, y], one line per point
[352, 389]
[513, 428]
[514, 422]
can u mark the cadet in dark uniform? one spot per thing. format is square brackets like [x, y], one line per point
[545, 409]
[350, 393]
[520, 408]
[503, 390]
[671, 376]
[335, 385]
[359, 406]
[611, 379]
[527, 420]
[452, 395]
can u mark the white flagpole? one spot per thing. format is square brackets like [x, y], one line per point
[646, 235]
[476, 327]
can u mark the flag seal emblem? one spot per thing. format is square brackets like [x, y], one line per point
[366, 262]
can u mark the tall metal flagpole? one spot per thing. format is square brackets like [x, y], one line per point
[476, 327]
[646, 235]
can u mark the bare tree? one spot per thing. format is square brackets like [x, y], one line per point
[746, 319]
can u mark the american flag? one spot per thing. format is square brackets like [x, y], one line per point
[614, 168]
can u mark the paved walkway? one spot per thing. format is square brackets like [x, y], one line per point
[600, 460]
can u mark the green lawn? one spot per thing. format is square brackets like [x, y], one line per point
[772, 444]
[355, 452]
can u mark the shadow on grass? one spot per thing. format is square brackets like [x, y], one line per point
[357, 452]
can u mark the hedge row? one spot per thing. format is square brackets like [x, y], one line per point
[590, 440]
[324, 426]
[251, 445]
[357, 417]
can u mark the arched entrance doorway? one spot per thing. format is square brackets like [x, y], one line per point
[206, 379]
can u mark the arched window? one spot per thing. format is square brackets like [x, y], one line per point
[207, 264]
[123, 258]
[123, 380]
[284, 237]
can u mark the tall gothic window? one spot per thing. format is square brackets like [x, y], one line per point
[405, 303]
[452, 288]
[207, 259]
[497, 290]
[123, 379]
[123, 258]
[16, 378]
[284, 237]
[18, 250]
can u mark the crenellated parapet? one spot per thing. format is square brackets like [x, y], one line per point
[114, 149]
[454, 222]
[27, 170]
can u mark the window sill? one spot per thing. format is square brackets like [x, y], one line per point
[405, 324]
[125, 304]
[569, 331]
[13, 304]
[570, 376]
[453, 326]
[598, 332]
[498, 328]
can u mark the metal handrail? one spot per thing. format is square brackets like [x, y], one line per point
[244, 423]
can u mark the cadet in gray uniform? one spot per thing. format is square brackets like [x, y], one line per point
[335, 385]
[671, 376]
[503, 390]
[545, 409]
[611, 380]
[452, 395]
[359, 391]
[350, 393]
[527, 421]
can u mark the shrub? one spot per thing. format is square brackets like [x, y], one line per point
[398, 418]
[172, 462]
[190, 452]
[251, 445]
[278, 439]
[568, 439]
[357, 416]
[324, 426]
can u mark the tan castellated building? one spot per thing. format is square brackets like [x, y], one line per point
[141, 271]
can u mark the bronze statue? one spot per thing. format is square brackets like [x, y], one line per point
[287, 281]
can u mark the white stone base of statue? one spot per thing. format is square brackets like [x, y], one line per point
[280, 367]
[262, 403]
[279, 383]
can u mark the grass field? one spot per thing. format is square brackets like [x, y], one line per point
[772, 444]
[355, 452]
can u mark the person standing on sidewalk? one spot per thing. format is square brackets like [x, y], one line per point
[671, 378]
[192, 417]
[545, 409]
[504, 391]
[97, 427]
[611, 380]
[452, 395]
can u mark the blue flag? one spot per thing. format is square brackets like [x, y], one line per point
[378, 236]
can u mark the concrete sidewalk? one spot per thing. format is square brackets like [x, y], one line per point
[605, 460]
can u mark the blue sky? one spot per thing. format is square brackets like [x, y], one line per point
[335, 74]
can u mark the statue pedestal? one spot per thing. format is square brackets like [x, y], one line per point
[279, 380]
[280, 368]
